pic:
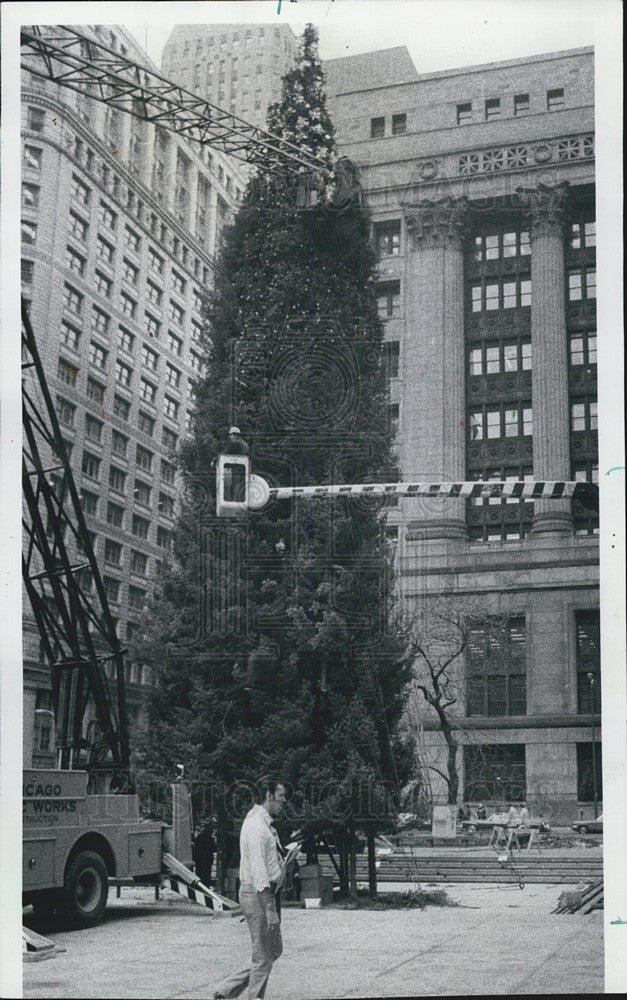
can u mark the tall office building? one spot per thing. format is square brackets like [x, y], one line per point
[481, 186]
[120, 224]
[235, 66]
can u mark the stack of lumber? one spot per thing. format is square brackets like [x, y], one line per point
[478, 867]
[584, 897]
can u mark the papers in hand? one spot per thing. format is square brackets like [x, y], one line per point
[292, 850]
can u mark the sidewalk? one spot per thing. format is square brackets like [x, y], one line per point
[500, 940]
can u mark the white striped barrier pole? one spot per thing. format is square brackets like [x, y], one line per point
[515, 489]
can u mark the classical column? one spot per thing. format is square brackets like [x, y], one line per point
[432, 418]
[549, 351]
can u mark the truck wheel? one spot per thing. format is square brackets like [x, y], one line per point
[85, 889]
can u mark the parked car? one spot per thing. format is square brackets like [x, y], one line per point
[589, 825]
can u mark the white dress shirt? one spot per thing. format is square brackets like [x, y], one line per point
[260, 850]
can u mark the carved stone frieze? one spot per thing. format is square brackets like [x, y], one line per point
[546, 204]
[436, 223]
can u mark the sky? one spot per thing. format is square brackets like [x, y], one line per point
[440, 34]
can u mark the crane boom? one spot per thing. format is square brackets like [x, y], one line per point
[68, 57]
[68, 598]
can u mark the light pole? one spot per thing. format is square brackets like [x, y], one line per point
[592, 680]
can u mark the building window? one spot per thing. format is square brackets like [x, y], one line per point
[150, 358]
[166, 505]
[139, 562]
[169, 439]
[495, 772]
[117, 479]
[170, 407]
[142, 493]
[399, 124]
[90, 465]
[136, 598]
[583, 348]
[154, 293]
[93, 428]
[195, 362]
[112, 552]
[393, 415]
[80, 192]
[173, 375]
[164, 537]
[464, 113]
[125, 340]
[107, 216]
[495, 358]
[147, 391]
[144, 458]
[35, 119]
[112, 589]
[70, 336]
[555, 99]
[98, 355]
[95, 390]
[121, 407]
[491, 295]
[178, 282]
[72, 300]
[119, 444]
[67, 372]
[123, 373]
[128, 305]
[176, 314]
[153, 326]
[377, 128]
[155, 262]
[583, 416]
[103, 284]
[500, 421]
[78, 227]
[99, 321]
[132, 240]
[583, 234]
[30, 195]
[28, 231]
[388, 298]
[495, 668]
[521, 104]
[582, 284]
[387, 238]
[65, 411]
[492, 108]
[89, 502]
[115, 515]
[146, 423]
[74, 261]
[131, 273]
[175, 344]
[140, 526]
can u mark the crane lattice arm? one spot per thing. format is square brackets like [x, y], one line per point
[65, 588]
[67, 56]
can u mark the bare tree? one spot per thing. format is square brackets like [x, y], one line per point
[439, 632]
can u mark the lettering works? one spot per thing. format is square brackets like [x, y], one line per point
[55, 806]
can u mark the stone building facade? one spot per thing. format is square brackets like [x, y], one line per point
[120, 224]
[481, 186]
[238, 67]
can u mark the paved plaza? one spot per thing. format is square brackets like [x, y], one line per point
[499, 940]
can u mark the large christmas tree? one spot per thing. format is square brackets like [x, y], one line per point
[271, 631]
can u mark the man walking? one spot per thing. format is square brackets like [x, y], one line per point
[260, 867]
